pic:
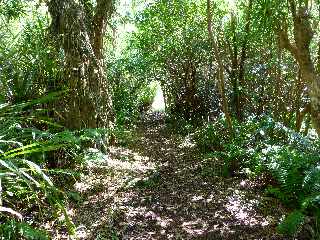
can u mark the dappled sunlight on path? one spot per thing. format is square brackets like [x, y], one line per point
[159, 188]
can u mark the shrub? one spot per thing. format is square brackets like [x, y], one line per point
[132, 93]
[211, 136]
[265, 146]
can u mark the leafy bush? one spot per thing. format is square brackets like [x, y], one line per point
[17, 230]
[146, 96]
[131, 97]
[211, 137]
[265, 146]
[291, 223]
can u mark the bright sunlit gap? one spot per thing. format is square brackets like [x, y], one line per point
[231, 4]
[158, 104]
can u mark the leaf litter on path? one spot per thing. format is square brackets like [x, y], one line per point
[162, 187]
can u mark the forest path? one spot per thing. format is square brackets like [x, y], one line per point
[161, 187]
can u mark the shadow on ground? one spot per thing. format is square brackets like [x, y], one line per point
[161, 187]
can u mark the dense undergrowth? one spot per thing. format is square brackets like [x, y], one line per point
[290, 159]
[26, 186]
[134, 87]
[36, 158]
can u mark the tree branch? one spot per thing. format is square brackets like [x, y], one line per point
[285, 43]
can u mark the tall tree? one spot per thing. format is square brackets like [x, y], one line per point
[216, 52]
[238, 48]
[300, 49]
[79, 27]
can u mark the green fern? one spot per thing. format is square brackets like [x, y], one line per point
[291, 159]
[23, 177]
[13, 230]
[291, 224]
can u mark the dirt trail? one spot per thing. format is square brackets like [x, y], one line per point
[161, 187]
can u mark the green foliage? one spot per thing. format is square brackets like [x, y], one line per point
[12, 9]
[132, 93]
[263, 145]
[291, 223]
[171, 41]
[24, 181]
[211, 137]
[146, 95]
[12, 230]
[29, 65]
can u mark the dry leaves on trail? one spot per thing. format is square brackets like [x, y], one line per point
[159, 187]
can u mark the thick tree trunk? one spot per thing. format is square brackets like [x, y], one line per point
[303, 35]
[80, 36]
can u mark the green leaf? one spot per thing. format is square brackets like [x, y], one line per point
[290, 225]
[38, 170]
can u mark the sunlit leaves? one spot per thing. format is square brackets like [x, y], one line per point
[29, 64]
[12, 9]
[167, 27]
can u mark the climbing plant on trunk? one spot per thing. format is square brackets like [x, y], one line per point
[78, 28]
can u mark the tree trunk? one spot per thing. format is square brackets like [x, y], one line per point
[243, 57]
[234, 71]
[217, 55]
[303, 35]
[79, 34]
